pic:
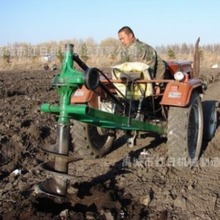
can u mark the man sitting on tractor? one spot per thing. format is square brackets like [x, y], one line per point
[134, 50]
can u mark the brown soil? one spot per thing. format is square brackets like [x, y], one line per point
[129, 183]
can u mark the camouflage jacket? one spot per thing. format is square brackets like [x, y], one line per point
[142, 52]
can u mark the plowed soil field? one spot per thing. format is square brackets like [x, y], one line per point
[128, 183]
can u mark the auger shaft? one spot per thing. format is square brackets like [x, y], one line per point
[65, 83]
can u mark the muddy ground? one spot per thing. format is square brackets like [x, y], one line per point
[129, 183]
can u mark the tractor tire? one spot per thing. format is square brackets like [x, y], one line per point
[210, 119]
[185, 132]
[90, 141]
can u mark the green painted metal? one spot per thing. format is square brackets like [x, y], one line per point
[66, 83]
[99, 118]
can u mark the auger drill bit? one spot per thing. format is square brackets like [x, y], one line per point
[66, 83]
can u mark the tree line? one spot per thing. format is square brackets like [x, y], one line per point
[90, 50]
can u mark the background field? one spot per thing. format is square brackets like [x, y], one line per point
[27, 56]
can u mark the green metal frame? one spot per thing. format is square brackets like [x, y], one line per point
[66, 83]
[99, 118]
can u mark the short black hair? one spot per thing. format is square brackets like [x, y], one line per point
[127, 30]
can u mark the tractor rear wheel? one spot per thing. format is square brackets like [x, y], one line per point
[185, 132]
[210, 119]
[90, 141]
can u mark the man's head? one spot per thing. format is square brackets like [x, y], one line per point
[126, 35]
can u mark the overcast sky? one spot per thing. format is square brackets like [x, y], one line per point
[156, 22]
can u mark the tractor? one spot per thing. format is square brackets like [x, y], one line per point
[94, 105]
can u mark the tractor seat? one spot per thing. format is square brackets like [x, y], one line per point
[129, 72]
